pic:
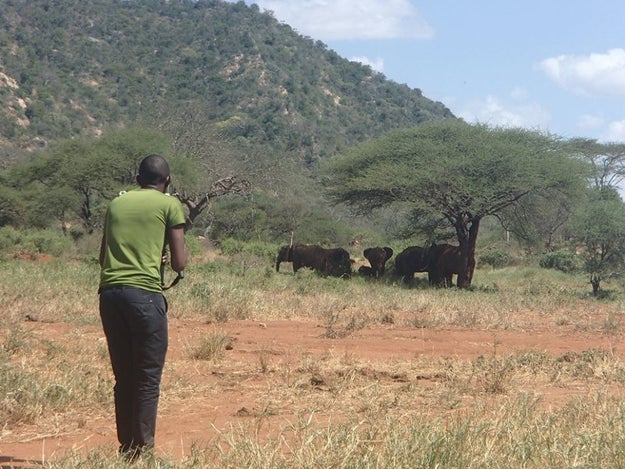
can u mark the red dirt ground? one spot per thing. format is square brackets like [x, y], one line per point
[197, 418]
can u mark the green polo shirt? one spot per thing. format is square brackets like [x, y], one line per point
[134, 234]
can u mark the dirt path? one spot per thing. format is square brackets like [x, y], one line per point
[265, 357]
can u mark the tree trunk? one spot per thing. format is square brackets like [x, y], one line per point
[466, 231]
[595, 280]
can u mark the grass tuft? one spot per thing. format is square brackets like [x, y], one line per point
[211, 347]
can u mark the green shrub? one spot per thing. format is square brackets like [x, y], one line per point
[35, 241]
[563, 261]
[497, 258]
[262, 250]
[193, 245]
[48, 242]
[9, 237]
[230, 246]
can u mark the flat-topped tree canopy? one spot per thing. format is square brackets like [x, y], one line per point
[456, 171]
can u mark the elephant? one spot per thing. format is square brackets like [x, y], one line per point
[377, 258]
[333, 261]
[410, 260]
[285, 254]
[445, 261]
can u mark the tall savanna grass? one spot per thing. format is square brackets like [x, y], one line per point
[480, 413]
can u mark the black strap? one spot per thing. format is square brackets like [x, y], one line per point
[179, 277]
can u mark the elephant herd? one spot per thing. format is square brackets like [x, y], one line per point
[440, 261]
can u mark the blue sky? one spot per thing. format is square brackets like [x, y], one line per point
[552, 65]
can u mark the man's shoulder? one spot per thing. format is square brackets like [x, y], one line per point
[143, 194]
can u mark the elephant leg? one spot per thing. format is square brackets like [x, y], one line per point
[434, 278]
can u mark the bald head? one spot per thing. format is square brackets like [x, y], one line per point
[153, 171]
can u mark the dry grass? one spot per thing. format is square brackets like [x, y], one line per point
[484, 412]
[212, 347]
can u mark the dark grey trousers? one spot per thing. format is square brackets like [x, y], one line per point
[135, 325]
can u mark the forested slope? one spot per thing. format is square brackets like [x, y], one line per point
[75, 67]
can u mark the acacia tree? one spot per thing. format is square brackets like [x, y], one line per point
[599, 223]
[607, 161]
[541, 219]
[545, 218]
[458, 171]
[75, 179]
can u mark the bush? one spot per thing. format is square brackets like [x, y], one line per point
[263, 250]
[231, 246]
[194, 246]
[9, 237]
[49, 242]
[563, 261]
[497, 258]
[35, 241]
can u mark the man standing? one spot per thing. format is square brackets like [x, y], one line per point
[138, 227]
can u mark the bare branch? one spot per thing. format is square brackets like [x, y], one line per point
[196, 203]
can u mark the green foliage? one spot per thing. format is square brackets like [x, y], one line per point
[496, 258]
[194, 246]
[234, 217]
[261, 250]
[606, 161]
[563, 261]
[75, 179]
[599, 223]
[319, 228]
[273, 221]
[11, 207]
[33, 241]
[449, 166]
[541, 219]
[48, 242]
[452, 175]
[87, 66]
[232, 90]
[9, 237]
[230, 246]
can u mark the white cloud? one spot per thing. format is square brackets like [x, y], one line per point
[493, 112]
[590, 122]
[377, 64]
[351, 19]
[604, 131]
[615, 132]
[589, 75]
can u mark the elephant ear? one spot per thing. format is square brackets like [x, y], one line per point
[389, 253]
[370, 254]
[337, 255]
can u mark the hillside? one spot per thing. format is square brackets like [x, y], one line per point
[75, 67]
